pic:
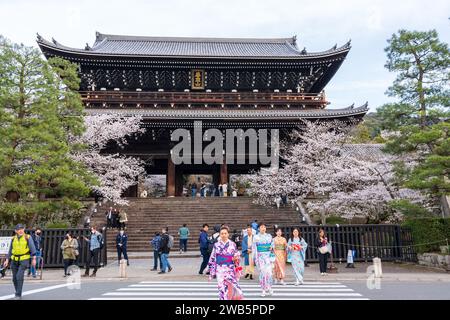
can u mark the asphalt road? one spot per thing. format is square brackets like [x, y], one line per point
[198, 290]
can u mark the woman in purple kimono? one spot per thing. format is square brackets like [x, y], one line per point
[224, 265]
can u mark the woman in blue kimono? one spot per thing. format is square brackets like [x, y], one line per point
[297, 255]
[262, 249]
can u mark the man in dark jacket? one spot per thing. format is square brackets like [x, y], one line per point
[114, 219]
[204, 245]
[121, 244]
[156, 242]
[164, 249]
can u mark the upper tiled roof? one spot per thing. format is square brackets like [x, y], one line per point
[106, 44]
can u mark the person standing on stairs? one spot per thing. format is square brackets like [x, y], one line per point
[108, 215]
[115, 218]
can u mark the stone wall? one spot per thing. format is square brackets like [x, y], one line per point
[435, 260]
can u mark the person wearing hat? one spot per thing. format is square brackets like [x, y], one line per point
[21, 250]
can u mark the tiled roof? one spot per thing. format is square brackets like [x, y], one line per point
[235, 114]
[194, 47]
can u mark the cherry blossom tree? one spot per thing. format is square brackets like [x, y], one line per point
[320, 165]
[115, 172]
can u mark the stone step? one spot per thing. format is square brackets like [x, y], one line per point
[149, 215]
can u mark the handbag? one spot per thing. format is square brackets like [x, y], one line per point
[323, 249]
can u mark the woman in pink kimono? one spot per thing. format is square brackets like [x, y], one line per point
[279, 247]
[224, 265]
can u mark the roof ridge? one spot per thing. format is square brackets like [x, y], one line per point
[112, 37]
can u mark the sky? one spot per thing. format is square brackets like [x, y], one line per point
[318, 24]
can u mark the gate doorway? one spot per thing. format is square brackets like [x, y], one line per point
[203, 183]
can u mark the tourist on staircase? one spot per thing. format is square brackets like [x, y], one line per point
[183, 232]
[255, 226]
[156, 243]
[193, 190]
[166, 244]
[115, 218]
[123, 219]
[225, 190]
[108, 215]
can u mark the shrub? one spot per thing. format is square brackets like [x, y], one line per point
[57, 225]
[429, 231]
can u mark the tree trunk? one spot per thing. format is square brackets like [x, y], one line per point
[304, 212]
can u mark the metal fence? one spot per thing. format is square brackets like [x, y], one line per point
[388, 242]
[51, 246]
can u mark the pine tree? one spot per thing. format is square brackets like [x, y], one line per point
[39, 110]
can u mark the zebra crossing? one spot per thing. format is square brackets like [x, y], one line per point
[202, 290]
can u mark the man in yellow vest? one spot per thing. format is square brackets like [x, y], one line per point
[21, 250]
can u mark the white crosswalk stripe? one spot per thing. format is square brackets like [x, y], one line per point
[202, 290]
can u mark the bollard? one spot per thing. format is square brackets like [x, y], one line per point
[350, 259]
[123, 268]
[377, 268]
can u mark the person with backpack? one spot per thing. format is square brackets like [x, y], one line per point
[21, 250]
[204, 247]
[165, 246]
[156, 243]
[96, 243]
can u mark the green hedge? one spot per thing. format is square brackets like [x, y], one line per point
[426, 230]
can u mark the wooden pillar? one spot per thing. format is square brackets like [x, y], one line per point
[223, 173]
[170, 181]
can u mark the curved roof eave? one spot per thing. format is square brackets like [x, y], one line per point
[237, 114]
[86, 53]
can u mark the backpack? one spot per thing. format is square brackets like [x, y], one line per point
[101, 241]
[171, 241]
[211, 243]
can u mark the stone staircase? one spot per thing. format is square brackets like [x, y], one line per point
[149, 215]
